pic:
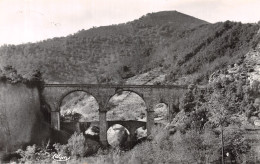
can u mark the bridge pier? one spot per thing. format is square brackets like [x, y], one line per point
[132, 135]
[55, 120]
[149, 122]
[173, 109]
[169, 113]
[103, 128]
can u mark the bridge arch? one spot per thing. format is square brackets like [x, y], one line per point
[122, 99]
[130, 107]
[64, 95]
[75, 107]
[118, 91]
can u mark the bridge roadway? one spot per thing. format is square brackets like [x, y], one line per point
[114, 86]
[53, 94]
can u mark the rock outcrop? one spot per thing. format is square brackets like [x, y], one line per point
[21, 118]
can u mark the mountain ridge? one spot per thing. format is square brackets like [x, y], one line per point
[170, 41]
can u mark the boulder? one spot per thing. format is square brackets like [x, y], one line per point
[257, 103]
[160, 112]
[117, 136]
[172, 131]
[93, 146]
[179, 120]
[92, 130]
[252, 119]
[92, 133]
[257, 122]
[169, 126]
[141, 133]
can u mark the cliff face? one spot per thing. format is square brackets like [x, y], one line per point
[21, 121]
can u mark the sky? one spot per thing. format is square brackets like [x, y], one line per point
[23, 21]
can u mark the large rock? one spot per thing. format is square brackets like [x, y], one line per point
[257, 123]
[252, 119]
[93, 146]
[160, 112]
[179, 119]
[117, 135]
[178, 123]
[141, 133]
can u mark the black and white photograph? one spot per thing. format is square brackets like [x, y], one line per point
[130, 81]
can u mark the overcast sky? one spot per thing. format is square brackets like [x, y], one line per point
[24, 21]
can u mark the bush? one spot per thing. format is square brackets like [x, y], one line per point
[76, 146]
[35, 154]
[190, 147]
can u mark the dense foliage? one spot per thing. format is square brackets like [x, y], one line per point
[35, 154]
[9, 74]
[225, 104]
[76, 146]
[178, 43]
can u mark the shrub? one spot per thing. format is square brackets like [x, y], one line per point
[190, 147]
[35, 154]
[235, 142]
[76, 146]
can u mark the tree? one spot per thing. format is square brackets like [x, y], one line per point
[223, 104]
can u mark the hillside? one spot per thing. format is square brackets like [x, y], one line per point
[159, 48]
[170, 46]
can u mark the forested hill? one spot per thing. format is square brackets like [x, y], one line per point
[176, 44]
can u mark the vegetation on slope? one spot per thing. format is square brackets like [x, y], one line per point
[10, 75]
[178, 43]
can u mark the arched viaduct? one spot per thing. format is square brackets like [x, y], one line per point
[53, 95]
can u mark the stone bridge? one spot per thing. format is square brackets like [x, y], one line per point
[53, 95]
